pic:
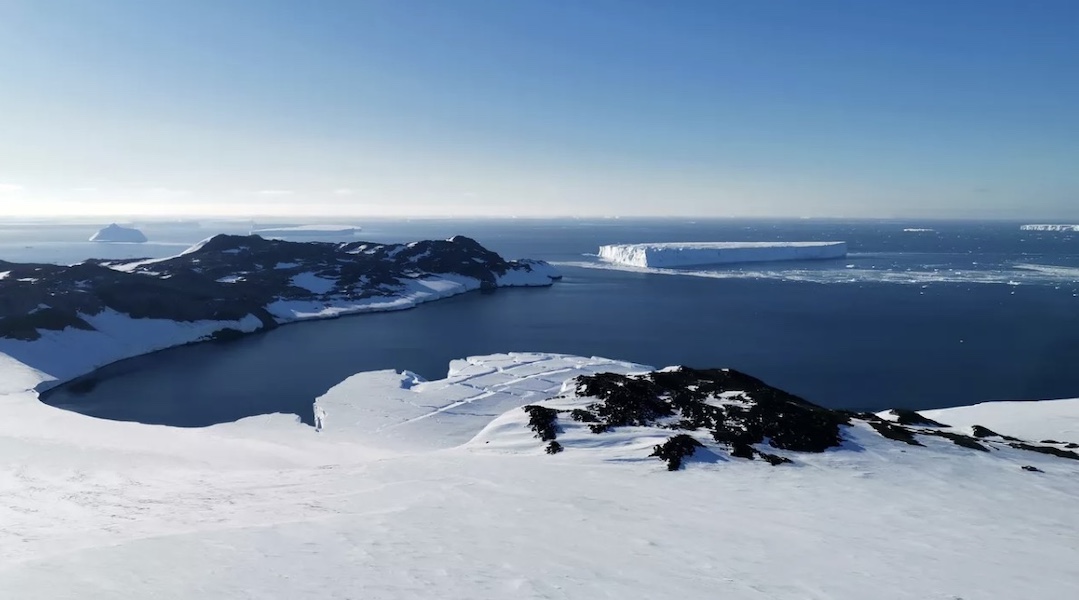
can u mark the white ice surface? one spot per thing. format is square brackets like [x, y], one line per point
[383, 505]
[1049, 227]
[306, 231]
[681, 254]
[377, 506]
[116, 233]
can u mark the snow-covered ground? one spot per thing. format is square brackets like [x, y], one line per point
[684, 254]
[437, 489]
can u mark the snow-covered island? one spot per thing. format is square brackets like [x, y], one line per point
[1050, 227]
[684, 254]
[117, 234]
[67, 320]
[542, 475]
[306, 231]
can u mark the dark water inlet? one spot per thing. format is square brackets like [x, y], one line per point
[865, 346]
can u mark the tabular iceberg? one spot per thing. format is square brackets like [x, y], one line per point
[115, 233]
[306, 231]
[1046, 227]
[681, 254]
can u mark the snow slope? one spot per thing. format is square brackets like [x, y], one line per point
[385, 503]
[680, 254]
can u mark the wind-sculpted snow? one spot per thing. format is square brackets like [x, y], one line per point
[441, 489]
[678, 254]
[226, 286]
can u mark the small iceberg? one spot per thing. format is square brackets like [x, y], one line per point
[116, 234]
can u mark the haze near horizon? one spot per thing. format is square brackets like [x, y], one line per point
[488, 108]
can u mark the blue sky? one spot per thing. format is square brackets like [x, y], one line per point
[950, 108]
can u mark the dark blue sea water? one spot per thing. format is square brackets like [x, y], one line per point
[968, 312]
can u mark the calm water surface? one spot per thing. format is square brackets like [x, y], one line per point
[907, 320]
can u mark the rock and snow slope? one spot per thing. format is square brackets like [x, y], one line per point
[116, 233]
[388, 502]
[67, 321]
[683, 254]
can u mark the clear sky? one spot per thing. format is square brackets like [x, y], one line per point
[943, 108]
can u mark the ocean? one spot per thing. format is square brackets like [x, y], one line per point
[919, 315]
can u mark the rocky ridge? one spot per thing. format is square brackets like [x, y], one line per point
[730, 412]
[228, 278]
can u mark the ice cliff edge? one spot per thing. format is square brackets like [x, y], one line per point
[681, 254]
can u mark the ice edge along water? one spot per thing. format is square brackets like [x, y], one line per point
[678, 254]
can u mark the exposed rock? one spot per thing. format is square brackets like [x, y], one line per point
[892, 432]
[1045, 450]
[742, 414]
[958, 439]
[675, 449]
[229, 277]
[543, 421]
[1032, 469]
[554, 447]
[909, 417]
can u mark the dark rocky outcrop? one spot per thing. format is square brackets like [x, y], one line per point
[893, 432]
[741, 414]
[675, 449]
[1060, 452]
[229, 277]
[909, 417]
[1032, 469]
[542, 420]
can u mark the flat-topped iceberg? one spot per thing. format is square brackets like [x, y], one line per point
[682, 254]
[116, 233]
[1050, 227]
[306, 231]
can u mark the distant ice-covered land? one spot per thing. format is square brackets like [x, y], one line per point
[307, 231]
[455, 488]
[679, 254]
[918, 230]
[116, 233]
[1048, 227]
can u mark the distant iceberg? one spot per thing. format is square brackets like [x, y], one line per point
[115, 233]
[307, 231]
[1068, 228]
[918, 230]
[685, 254]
